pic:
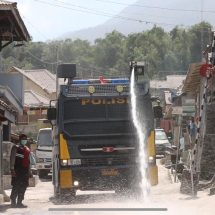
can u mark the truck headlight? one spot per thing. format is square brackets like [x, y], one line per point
[75, 162]
[71, 162]
[65, 162]
[152, 160]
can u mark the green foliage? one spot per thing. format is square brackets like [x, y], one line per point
[164, 52]
[109, 50]
[200, 37]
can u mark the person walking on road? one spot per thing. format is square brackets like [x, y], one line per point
[193, 130]
[20, 171]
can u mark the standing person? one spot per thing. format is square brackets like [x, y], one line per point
[20, 171]
[182, 146]
[193, 130]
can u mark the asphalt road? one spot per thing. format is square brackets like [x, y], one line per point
[164, 199]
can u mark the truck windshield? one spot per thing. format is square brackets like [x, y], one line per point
[44, 138]
[101, 116]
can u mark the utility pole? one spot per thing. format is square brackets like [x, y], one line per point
[1, 63]
[202, 30]
[57, 84]
[1, 139]
[1, 162]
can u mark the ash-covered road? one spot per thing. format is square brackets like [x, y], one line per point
[165, 195]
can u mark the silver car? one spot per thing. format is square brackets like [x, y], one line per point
[161, 141]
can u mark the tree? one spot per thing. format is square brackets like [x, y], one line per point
[200, 38]
[181, 52]
[108, 50]
[169, 52]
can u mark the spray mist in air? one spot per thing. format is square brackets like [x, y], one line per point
[143, 161]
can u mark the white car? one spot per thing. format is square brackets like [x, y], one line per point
[161, 141]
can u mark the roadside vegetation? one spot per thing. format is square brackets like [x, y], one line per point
[164, 52]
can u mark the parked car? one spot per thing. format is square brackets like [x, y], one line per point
[44, 152]
[161, 142]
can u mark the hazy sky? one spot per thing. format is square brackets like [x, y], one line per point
[48, 19]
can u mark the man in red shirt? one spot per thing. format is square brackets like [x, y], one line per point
[20, 171]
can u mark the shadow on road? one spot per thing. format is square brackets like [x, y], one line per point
[89, 199]
[46, 179]
[4, 207]
[189, 198]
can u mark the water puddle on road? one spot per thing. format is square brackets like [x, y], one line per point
[143, 164]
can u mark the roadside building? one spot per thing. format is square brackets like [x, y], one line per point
[203, 93]
[40, 81]
[39, 89]
[196, 104]
[35, 110]
[172, 83]
[166, 90]
[12, 30]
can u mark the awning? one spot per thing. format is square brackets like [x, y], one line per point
[7, 113]
[8, 97]
[192, 81]
[12, 27]
[9, 105]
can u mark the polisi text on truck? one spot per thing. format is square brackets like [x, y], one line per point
[104, 101]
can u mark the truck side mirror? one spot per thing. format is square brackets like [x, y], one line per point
[158, 113]
[51, 113]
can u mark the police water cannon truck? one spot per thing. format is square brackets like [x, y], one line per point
[95, 142]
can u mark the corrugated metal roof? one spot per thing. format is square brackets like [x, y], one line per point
[42, 77]
[33, 99]
[171, 82]
[193, 78]
[5, 2]
[10, 16]
[10, 98]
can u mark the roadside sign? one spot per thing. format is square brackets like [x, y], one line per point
[177, 110]
[188, 109]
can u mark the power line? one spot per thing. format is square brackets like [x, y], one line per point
[70, 4]
[90, 11]
[185, 27]
[93, 68]
[81, 7]
[33, 26]
[62, 4]
[35, 57]
[42, 61]
[156, 7]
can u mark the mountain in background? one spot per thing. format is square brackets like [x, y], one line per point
[148, 17]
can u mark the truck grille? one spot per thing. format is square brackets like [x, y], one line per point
[99, 89]
[96, 150]
[108, 161]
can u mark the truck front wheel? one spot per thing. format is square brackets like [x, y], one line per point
[67, 195]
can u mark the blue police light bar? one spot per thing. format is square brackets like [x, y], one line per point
[80, 81]
[120, 81]
[97, 81]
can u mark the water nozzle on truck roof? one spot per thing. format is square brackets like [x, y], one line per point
[138, 67]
